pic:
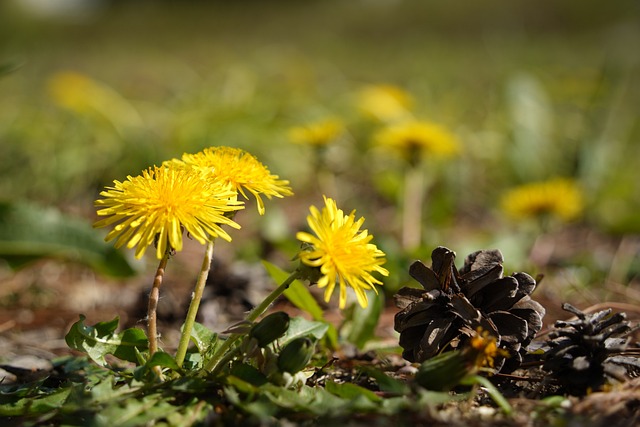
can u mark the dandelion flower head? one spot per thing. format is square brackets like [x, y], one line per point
[560, 198]
[75, 91]
[317, 133]
[417, 138]
[385, 103]
[241, 170]
[158, 205]
[83, 95]
[484, 349]
[342, 252]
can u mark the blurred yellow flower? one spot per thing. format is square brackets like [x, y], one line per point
[155, 208]
[413, 139]
[318, 133]
[83, 95]
[560, 197]
[483, 349]
[241, 170]
[73, 91]
[342, 252]
[385, 102]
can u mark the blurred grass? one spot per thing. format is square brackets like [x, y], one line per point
[533, 90]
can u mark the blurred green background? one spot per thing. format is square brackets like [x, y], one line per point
[93, 91]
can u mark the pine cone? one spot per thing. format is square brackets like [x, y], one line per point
[454, 303]
[586, 353]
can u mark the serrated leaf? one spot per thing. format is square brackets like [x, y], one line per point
[135, 412]
[35, 405]
[101, 339]
[315, 400]
[190, 414]
[300, 327]
[29, 233]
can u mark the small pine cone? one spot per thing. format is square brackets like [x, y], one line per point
[586, 353]
[439, 317]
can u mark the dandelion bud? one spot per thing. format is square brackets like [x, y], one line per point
[295, 356]
[312, 274]
[270, 328]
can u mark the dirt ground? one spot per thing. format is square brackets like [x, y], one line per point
[38, 304]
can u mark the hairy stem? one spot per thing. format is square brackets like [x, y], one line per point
[152, 309]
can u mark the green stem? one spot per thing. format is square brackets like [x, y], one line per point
[215, 364]
[494, 393]
[413, 199]
[196, 297]
[152, 309]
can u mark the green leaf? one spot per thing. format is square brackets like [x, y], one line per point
[203, 337]
[238, 385]
[162, 359]
[491, 389]
[8, 67]
[101, 339]
[249, 374]
[385, 382]
[315, 400]
[29, 233]
[442, 372]
[319, 401]
[300, 327]
[35, 405]
[130, 340]
[300, 296]
[361, 323]
[351, 391]
[135, 412]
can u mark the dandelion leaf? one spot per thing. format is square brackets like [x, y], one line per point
[101, 339]
[29, 233]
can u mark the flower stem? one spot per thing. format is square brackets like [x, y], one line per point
[196, 297]
[154, 297]
[414, 188]
[215, 364]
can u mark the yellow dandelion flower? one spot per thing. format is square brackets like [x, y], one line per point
[83, 95]
[560, 197]
[318, 133]
[241, 170]
[415, 138]
[73, 91]
[156, 206]
[483, 349]
[385, 102]
[342, 252]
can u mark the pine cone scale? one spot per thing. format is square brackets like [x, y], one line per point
[462, 300]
